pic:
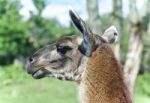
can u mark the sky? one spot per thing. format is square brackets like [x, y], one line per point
[59, 8]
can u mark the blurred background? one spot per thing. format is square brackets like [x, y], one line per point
[27, 25]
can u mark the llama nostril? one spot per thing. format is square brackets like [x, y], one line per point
[31, 60]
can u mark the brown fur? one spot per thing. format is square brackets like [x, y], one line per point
[102, 80]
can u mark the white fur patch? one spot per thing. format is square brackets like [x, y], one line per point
[109, 34]
[79, 40]
[54, 53]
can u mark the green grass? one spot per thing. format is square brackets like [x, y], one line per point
[18, 87]
[139, 98]
[38, 91]
[142, 90]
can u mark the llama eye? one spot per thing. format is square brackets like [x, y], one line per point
[63, 49]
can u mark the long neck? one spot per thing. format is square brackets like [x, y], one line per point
[102, 81]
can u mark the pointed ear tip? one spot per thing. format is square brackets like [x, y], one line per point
[70, 12]
[113, 27]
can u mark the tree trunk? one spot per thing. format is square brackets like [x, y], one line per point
[94, 18]
[138, 29]
[118, 22]
[133, 60]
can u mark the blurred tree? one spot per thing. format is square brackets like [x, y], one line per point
[39, 4]
[139, 24]
[94, 18]
[14, 36]
[44, 31]
[118, 22]
[18, 38]
[146, 52]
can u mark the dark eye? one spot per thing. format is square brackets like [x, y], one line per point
[115, 34]
[63, 49]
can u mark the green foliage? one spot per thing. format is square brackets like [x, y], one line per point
[18, 37]
[143, 84]
[39, 4]
[12, 73]
[142, 91]
[14, 36]
[45, 31]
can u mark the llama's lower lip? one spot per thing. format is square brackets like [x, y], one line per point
[39, 74]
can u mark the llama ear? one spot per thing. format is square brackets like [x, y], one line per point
[110, 34]
[78, 22]
[88, 43]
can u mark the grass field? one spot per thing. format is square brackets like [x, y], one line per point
[45, 91]
[42, 91]
[18, 87]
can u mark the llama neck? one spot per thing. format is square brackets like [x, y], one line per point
[102, 81]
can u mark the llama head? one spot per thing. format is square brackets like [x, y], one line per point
[66, 58]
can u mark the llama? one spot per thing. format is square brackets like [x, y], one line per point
[88, 60]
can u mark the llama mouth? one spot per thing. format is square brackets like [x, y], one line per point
[40, 73]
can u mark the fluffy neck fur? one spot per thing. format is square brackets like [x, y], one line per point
[102, 81]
